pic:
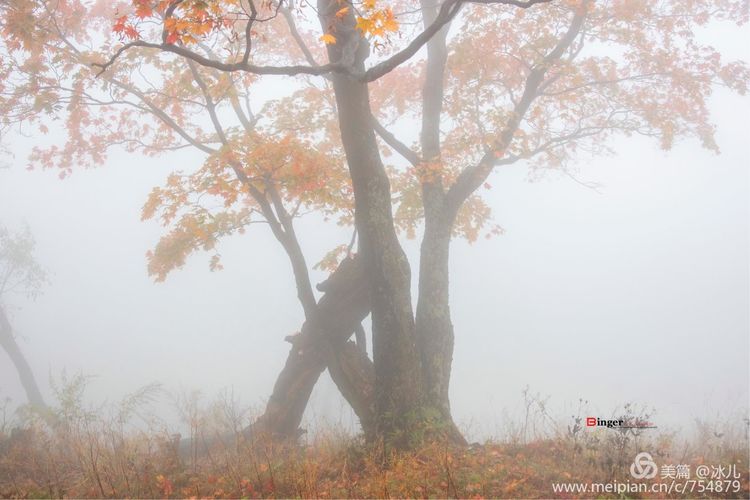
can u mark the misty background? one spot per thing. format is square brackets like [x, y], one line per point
[636, 291]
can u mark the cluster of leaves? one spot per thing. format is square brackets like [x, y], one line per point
[376, 20]
[184, 22]
[187, 21]
[205, 205]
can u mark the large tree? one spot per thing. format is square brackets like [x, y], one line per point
[498, 82]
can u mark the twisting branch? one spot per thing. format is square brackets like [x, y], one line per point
[248, 31]
[222, 66]
[448, 11]
[472, 177]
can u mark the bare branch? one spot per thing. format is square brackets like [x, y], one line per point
[297, 37]
[394, 143]
[223, 66]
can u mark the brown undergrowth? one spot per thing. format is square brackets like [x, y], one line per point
[74, 453]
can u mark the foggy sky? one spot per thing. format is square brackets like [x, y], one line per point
[637, 291]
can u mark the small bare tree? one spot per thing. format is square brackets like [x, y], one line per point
[19, 274]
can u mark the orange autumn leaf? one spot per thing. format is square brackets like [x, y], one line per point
[342, 12]
[328, 38]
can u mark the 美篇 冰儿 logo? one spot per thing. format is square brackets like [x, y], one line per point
[643, 466]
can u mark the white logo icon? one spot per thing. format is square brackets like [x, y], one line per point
[643, 467]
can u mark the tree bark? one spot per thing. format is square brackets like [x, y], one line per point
[9, 344]
[434, 328]
[354, 375]
[397, 362]
[323, 342]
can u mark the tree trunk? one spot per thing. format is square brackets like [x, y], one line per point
[323, 342]
[434, 327]
[354, 375]
[397, 361]
[9, 344]
[290, 396]
[433, 319]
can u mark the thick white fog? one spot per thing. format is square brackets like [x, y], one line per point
[637, 291]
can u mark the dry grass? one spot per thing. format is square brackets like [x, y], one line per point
[76, 453]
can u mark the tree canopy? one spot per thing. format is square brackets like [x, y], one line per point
[516, 88]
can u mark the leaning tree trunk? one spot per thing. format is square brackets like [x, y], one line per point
[322, 343]
[398, 374]
[354, 375]
[9, 344]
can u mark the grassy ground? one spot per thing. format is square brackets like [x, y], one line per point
[80, 454]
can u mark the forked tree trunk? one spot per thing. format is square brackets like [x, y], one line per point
[9, 344]
[322, 342]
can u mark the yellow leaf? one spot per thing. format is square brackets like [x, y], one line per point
[342, 12]
[389, 22]
[364, 25]
[328, 39]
